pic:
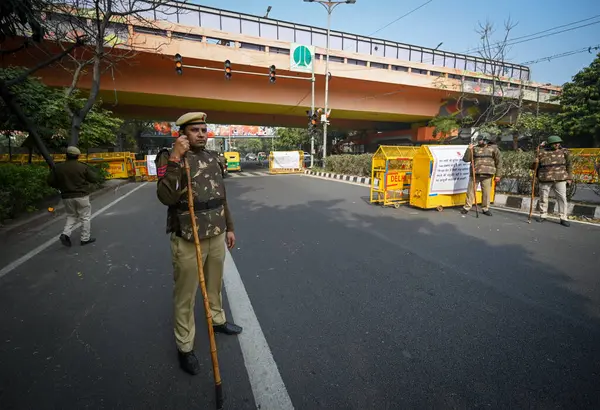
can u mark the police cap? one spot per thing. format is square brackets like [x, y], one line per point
[191, 118]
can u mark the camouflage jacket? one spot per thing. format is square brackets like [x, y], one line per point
[210, 205]
[488, 160]
[220, 160]
[554, 165]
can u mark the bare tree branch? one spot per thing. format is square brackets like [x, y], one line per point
[106, 24]
[43, 64]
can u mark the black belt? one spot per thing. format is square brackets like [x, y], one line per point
[203, 206]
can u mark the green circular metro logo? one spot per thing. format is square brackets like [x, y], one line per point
[302, 56]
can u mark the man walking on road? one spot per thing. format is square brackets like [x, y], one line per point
[215, 226]
[555, 171]
[73, 179]
[488, 163]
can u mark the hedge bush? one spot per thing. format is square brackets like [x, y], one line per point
[22, 187]
[102, 171]
[357, 165]
[515, 170]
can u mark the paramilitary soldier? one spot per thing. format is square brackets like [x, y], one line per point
[488, 163]
[555, 170]
[215, 226]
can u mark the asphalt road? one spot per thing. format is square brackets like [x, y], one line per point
[361, 307]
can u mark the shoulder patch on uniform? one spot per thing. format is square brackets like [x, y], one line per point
[161, 161]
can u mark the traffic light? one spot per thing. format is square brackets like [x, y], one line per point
[312, 120]
[272, 78]
[178, 64]
[227, 70]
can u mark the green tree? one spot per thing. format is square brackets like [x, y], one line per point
[536, 127]
[21, 24]
[254, 145]
[42, 105]
[580, 103]
[99, 128]
[130, 134]
[104, 24]
[292, 139]
[444, 126]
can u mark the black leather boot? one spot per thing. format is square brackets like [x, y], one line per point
[189, 362]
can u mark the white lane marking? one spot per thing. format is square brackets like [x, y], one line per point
[15, 264]
[267, 385]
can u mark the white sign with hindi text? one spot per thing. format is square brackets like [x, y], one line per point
[150, 164]
[450, 174]
[286, 160]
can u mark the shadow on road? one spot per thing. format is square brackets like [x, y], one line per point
[368, 307]
[91, 327]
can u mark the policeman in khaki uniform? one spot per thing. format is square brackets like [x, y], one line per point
[488, 162]
[215, 227]
[555, 170]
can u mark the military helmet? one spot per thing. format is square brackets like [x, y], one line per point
[554, 139]
[483, 137]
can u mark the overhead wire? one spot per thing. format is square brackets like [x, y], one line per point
[562, 55]
[536, 33]
[401, 17]
[511, 42]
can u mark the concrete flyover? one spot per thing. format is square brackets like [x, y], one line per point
[378, 85]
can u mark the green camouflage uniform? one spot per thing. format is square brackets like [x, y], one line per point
[213, 220]
[555, 165]
[488, 162]
[554, 170]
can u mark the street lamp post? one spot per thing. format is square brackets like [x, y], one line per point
[329, 6]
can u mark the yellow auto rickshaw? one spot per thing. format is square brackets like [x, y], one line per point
[233, 161]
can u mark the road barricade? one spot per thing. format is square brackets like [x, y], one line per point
[146, 170]
[586, 164]
[120, 164]
[440, 177]
[286, 162]
[391, 171]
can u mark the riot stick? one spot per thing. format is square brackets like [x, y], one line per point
[535, 169]
[209, 323]
[474, 182]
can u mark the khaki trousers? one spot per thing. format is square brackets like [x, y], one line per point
[486, 189]
[560, 188]
[185, 268]
[78, 210]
